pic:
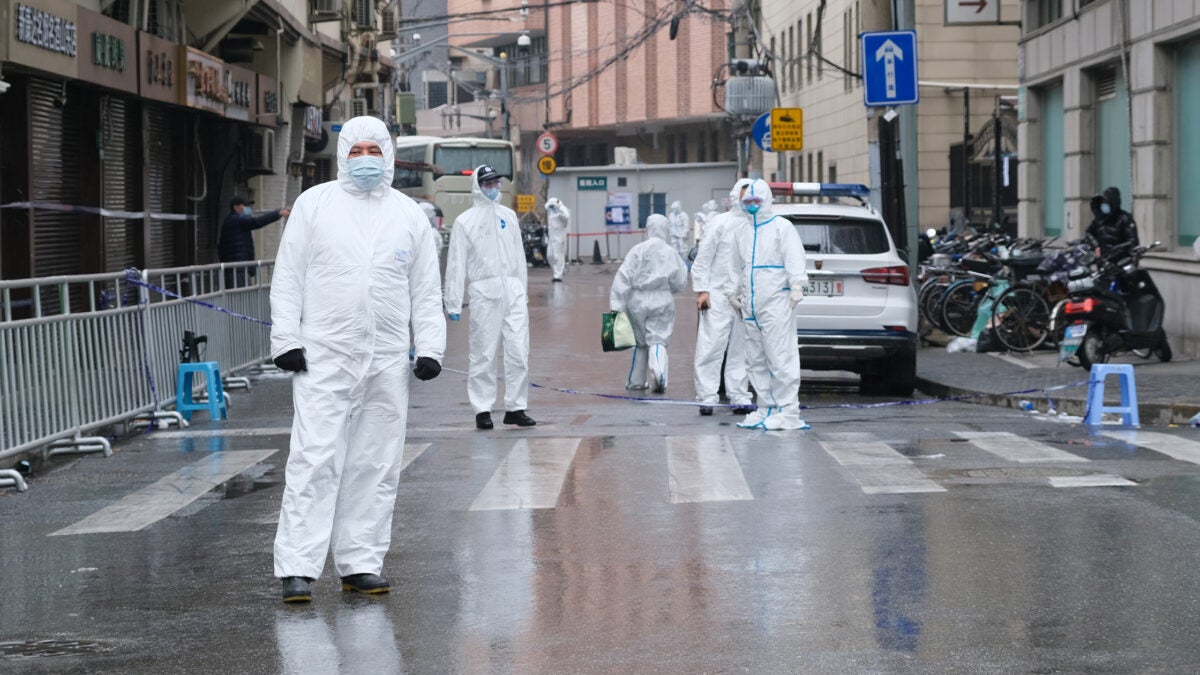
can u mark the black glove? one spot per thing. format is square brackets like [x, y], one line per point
[292, 360]
[427, 368]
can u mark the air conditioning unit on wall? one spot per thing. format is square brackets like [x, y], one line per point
[260, 152]
[324, 10]
[387, 24]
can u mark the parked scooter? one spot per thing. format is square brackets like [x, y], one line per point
[1114, 308]
[535, 238]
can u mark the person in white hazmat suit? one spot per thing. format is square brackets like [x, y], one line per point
[644, 288]
[703, 217]
[357, 265]
[559, 217]
[767, 280]
[719, 333]
[681, 229]
[486, 252]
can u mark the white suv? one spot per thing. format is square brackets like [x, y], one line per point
[860, 310]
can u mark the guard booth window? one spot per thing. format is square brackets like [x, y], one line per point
[648, 203]
[1187, 143]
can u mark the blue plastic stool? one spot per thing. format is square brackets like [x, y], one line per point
[215, 405]
[1095, 403]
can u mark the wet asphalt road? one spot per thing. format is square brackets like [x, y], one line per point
[885, 539]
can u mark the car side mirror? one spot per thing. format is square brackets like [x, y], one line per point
[692, 253]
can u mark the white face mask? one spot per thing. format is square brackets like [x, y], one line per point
[1105, 209]
[365, 170]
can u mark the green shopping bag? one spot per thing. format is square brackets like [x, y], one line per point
[616, 333]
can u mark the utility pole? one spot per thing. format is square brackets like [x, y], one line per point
[906, 20]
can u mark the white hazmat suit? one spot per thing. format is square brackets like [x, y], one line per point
[681, 229]
[644, 288]
[355, 268]
[487, 253]
[768, 280]
[559, 217]
[720, 332]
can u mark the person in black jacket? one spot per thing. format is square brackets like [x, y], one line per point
[237, 240]
[1111, 226]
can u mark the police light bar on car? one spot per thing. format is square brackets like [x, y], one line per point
[856, 190]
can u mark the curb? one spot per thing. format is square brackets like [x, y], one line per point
[1159, 414]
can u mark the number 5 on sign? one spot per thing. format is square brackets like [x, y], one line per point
[787, 129]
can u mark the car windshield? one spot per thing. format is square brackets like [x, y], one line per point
[841, 235]
[458, 159]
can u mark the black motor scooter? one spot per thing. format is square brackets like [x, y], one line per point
[535, 239]
[1118, 308]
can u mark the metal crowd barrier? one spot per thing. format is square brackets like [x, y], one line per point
[80, 353]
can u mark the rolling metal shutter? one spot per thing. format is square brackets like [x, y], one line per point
[122, 236]
[54, 176]
[162, 145]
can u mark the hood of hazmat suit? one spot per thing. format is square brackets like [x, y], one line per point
[355, 268]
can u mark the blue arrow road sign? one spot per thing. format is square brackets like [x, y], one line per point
[890, 68]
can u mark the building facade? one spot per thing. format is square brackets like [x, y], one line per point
[599, 76]
[966, 72]
[126, 127]
[1109, 89]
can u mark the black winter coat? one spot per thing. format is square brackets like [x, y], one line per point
[1112, 229]
[237, 244]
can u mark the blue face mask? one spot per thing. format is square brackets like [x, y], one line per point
[247, 211]
[1105, 209]
[492, 194]
[752, 208]
[365, 170]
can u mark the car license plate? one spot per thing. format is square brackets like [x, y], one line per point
[826, 287]
[1072, 338]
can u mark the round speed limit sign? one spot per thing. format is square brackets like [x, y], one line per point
[547, 144]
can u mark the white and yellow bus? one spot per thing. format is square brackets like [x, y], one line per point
[438, 170]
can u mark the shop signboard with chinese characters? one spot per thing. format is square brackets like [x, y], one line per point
[107, 52]
[202, 81]
[158, 71]
[242, 85]
[312, 122]
[268, 101]
[42, 34]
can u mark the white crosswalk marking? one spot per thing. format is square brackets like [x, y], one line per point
[1015, 448]
[704, 469]
[166, 496]
[876, 466]
[1171, 446]
[531, 477]
[411, 452]
[215, 433]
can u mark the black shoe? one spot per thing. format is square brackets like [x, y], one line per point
[484, 421]
[519, 418]
[370, 584]
[296, 589]
[557, 279]
[744, 409]
[705, 411]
